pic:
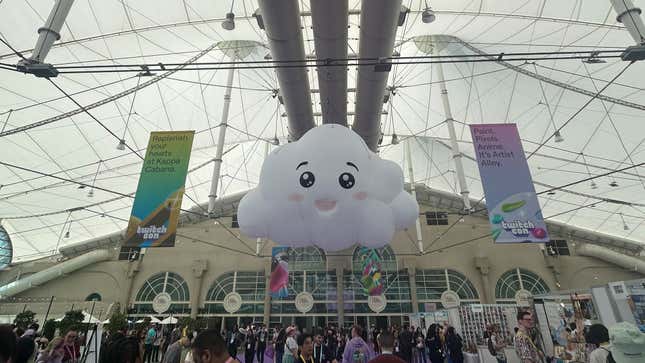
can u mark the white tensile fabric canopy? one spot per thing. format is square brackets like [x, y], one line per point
[42, 213]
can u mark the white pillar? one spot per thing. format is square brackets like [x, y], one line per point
[212, 196]
[50, 32]
[456, 154]
[630, 15]
[408, 154]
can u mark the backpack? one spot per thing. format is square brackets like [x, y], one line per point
[610, 357]
[491, 347]
[358, 356]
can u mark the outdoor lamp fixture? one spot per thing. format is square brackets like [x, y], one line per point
[90, 194]
[229, 23]
[558, 137]
[395, 139]
[121, 145]
[428, 15]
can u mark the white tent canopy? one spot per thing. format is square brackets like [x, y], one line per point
[43, 213]
[152, 320]
[87, 318]
[169, 320]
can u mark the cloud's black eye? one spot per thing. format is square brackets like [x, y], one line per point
[307, 179]
[346, 180]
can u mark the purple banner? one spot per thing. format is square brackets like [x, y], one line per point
[513, 208]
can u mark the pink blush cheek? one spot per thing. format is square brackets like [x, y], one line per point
[296, 197]
[360, 196]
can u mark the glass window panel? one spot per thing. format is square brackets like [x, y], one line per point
[510, 282]
[170, 282]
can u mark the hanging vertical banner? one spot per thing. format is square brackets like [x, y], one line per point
[371, 276]
[155, 212]
[279, 282]
[513, 208]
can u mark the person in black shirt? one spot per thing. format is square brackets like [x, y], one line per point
[261, 338]
[279, 343]
[330, 343]
[232, 342]
[340, 348]
[454, 344]
[321, 353]
[249, 345]
[406, 342]
[305, 345]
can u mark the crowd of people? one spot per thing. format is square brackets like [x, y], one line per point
[256, 343]
[331, 344]
[25, 346]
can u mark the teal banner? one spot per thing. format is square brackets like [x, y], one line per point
[155, 213]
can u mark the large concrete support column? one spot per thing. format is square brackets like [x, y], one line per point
[483, 265]
[131, 274]
[340, 299]
[267, 296]
[199, 267]
[412, 274]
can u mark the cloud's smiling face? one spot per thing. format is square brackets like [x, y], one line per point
[323, 173]
[327, 189]
[320, 190]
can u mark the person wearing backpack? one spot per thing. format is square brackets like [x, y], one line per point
[598, 335]
[356, 350]
[496, 344]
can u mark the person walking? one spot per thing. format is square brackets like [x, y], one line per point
[249, 345]
[261, 338]
[209, 347]
[406, 342]
[232, 341]
[305, 344]
[598, 335]
[151, 335]
[357, 350]
[434, 345]
[176, 350]
[291, 346]
[455, 344]
[385, 342]
[496, 344]
[278, 343]
[156, 345]
[525, 348]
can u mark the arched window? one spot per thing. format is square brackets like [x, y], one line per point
[396, 284]
[307, 273]
[251, 285]
[518, 279]
[6, 250]
[388, 258]
[95, 296]
[307, 259]
[432, 283]
[164, 282]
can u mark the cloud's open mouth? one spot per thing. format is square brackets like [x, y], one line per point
[325, 205]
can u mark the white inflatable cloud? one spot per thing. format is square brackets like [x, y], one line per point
[327, 189]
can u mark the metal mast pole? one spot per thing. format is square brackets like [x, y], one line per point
[408, 155]
[212, 196]
[456, 154]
